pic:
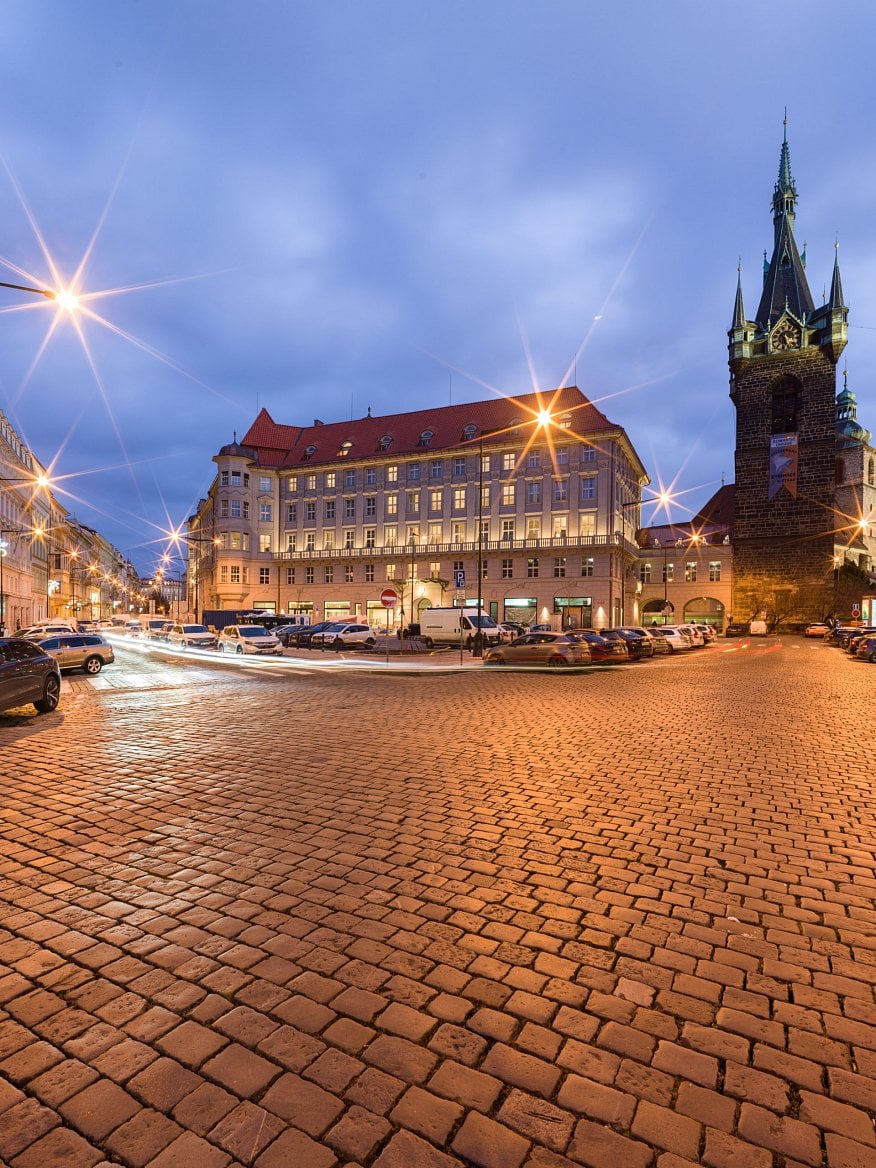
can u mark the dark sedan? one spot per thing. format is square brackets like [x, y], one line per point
[27, 674]
[639, 646]
[604, 651]
[301, 638]
[866, 650]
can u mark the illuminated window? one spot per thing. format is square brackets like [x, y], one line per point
[291, 540]
[533, 527]
[264, 543]
[508, 461]
[436, 532]
[235, 573]
[459, 499]
[292, 484]
[690, 572]
[390, 535]
[645, 573]
[330, 480]
[509, 494]
[392, 504]
[436, 498]
[392, 474]
[310, 482]
[345, 449]
[714, 571]
[390, 571]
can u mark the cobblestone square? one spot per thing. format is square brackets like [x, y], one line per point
[619, 919]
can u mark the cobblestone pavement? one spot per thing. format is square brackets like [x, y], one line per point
[621, 919]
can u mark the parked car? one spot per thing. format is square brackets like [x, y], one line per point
[552, 649]
[28, 674]
[757, 628]
[654, 634]
[736, 629]
[86, 651]
[156, 629]
[696, 637]
[709, 632]
[341, 635]
[132, 628]
[603, 651]
[301, 637]
[839, 634]
[248, 639]
[850, 643]
[45, 629]
[191, 637]
[819, 629]
[638, 646]
[679, 640]
[866, 649]
[508, 631]
[284, 632]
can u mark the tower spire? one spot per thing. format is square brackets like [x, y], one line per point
[784, 286]
[836, 284]
[738, 310]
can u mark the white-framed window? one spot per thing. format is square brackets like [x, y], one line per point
[587, 525]
[714, 571]
[485, 497]
[328, 539]
[413, 502]
[561, 490]
[349, 478]
[457, 532]
[235, 508]
[533, 527]
[246, 508]
[265, 511]
[559, 566]
[668, 572]
[235, 478]
[349, 508]
[436, 499]
[370, 476]
[562, 453]
[458, 499]
[292, 484]
[392, 504]
[509, 494]
[235, 573]
[223, 508]
[390, 534]
[264, 483]
[223, 573]
[532, 568]
[645, 573]
[508, 462]
[690, 572]
[236, 541]
[507, 569]
[587, 566]
[413, 472]
[328, 574]
[436, 532]
[370, 537]
[309, 542]
[290, 575]
[348, 573]
[369, 573]
[308, 575]
[310, 512]
[264, 575]
[223, 478]
[533, 459]
[588, 454]
[330, 480]
[291, 512]
[328, 509]
[264, 543]
[588, 487]
[349, 538]
[561, 526]
[291, 541]
[390, 571]
[310, 482]
[507, 529]
[436, 469]
[533, 491]
[459, 466]
[370, 506]
[392, 474]
[484, 569]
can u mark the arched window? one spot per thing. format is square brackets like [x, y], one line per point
[871, 473]
[785, 406]
[345, 449]
[309, 452]
[386, 442]
[469, 432]
[425, 438]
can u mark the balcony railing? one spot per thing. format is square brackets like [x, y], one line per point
[403, 550]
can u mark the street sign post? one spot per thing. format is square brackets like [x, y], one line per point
[389, 598]
[459, 578]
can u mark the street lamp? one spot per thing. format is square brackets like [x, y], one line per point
[47, 292]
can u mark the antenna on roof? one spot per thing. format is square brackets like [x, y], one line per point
[351, 406]
[450, 380]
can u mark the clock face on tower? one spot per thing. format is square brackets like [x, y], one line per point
[785, 336]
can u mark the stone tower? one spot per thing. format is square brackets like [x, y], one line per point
[783, 384]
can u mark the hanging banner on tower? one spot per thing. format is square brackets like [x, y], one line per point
[783, 464]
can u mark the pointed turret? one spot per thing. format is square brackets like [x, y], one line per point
[738, 310]
[836, 284]
[785, 286]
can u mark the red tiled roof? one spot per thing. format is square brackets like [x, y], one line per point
[285, 446]
[720, 509]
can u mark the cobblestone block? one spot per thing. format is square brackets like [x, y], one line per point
[487, 1144]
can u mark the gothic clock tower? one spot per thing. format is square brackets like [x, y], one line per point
[783, 384]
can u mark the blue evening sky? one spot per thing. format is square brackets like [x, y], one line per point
[344, 204]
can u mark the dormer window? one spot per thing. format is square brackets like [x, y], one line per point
[469, 432]
[345, 449]
[425, 438]
[385, 442]
[309, 453]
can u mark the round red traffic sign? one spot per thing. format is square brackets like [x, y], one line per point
[389, 598]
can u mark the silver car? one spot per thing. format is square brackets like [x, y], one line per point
[248, 639]
[86, 651]
[191, 637]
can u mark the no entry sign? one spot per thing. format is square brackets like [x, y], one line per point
[389, 598]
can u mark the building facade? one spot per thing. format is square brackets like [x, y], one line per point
[537, 497]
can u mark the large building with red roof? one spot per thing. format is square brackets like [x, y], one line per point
[538, 494]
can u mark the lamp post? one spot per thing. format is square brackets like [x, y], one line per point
[26, 288]
[478, 645]
[623, 511]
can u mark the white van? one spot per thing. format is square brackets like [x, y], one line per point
[445, 626]
[757, 628]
